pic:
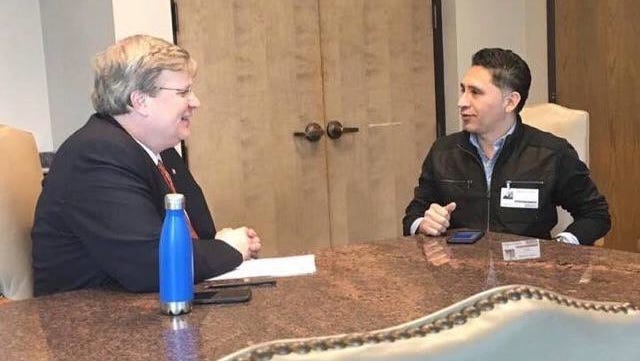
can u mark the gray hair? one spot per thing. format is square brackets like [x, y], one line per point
[134, 63]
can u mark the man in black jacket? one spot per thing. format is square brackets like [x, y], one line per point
[499, 174]
[99, 216]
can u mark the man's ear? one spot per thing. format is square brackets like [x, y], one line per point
[511, 101]
[139, 102]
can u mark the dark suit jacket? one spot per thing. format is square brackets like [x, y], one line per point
[99, 216]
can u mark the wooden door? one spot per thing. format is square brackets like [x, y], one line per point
[377, 58]
[597, 52]
[259, 81]
[266, 70]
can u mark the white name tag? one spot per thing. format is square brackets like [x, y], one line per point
[517, 250]
[519, 198]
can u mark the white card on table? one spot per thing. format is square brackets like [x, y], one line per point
[524, 249]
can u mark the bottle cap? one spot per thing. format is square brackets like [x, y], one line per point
[174, 201]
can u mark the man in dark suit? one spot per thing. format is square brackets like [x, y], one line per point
[99, 216]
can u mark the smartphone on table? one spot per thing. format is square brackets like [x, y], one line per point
[465, 236]
[238, 282]
[223, 296]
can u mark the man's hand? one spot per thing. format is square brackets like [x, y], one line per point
[254, 243]
[236, 238]
[436, 219]
[244, 240]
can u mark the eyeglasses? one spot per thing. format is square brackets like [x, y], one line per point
[182, 92]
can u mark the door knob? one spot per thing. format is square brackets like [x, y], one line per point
[335, 129]
[313, 132]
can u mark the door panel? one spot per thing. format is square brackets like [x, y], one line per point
[259, 81]
[378, 76]
[596, 70]
[267, 69]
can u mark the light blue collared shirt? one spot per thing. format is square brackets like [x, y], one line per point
[487, 163]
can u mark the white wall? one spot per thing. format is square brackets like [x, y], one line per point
[151, 17]
[46, 49]
[535, 33]
[24, 101]
[469, 25]
[73, 32]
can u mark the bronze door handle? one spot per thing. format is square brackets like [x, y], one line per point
[335, 129]
[312, 132]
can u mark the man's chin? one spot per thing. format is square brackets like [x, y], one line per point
[184, 133]
[469, 127]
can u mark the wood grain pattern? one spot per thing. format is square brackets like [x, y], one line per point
[267, 68]
[259, 81]
[596, 59]
[378, 76]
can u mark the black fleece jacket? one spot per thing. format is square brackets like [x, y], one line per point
[530, 158]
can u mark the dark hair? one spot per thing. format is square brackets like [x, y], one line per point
[508, 71]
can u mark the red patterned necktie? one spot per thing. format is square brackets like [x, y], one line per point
[167, 179]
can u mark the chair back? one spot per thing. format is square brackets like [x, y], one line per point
[516, 322]
[570, 124]
[20, 185]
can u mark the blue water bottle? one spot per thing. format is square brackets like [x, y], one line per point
[176, 258]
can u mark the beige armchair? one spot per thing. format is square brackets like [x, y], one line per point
[570, 124]
[20, 185]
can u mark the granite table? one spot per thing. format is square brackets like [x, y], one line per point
[358, 287]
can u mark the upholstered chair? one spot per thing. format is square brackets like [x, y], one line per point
[571, 124]
[20, 185]
[515, 322]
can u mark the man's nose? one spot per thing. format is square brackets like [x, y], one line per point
[194, 102]
[463, 100]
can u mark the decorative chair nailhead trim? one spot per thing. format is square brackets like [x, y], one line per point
[449, 321]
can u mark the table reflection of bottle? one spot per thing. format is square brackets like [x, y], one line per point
[180, 340]
[492, 278]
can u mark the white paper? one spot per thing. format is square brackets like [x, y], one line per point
[517, 250]
[273, 267]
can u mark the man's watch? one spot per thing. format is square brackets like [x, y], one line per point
[561, 238]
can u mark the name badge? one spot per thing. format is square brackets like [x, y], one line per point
[519, 198]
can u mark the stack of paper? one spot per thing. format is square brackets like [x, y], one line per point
[273, 267]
